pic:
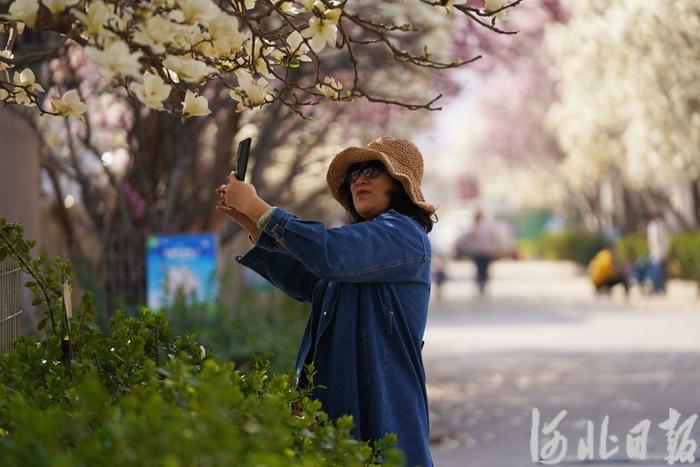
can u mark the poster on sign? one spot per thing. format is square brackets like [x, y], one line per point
[180, 265]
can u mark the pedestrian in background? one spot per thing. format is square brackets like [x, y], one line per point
[606, 271]
[659, 244]
[483, 245]
[439, 273]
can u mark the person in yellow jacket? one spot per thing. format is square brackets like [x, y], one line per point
[605, 272]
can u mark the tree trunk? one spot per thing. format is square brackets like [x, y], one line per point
[695, 192]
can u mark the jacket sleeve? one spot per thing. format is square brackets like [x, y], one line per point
[390, 248]
[282, 271]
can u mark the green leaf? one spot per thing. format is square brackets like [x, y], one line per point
[42, 324]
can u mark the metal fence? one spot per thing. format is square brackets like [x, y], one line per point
[124, 276]
[10, 304]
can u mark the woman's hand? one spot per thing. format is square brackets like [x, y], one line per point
[237, 216]
[239, 201]
[243, 198]
[239, 195]
[240, 218]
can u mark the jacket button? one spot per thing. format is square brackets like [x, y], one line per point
[324, 313]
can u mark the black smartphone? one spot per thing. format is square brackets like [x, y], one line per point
[242, 158]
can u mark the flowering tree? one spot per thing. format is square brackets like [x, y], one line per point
[133, 74]
[508, 101]
[628, 114]
[165, 52]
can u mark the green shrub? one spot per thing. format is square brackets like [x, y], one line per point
[572, 245]
[261, 323]
[630, 247]
[143, 396]
[685, 252]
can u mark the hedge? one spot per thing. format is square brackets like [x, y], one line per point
[141, 395]
[685, 252]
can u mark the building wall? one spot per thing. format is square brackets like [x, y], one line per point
[19, 173]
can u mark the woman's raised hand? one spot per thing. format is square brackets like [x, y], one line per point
[224, 192]
[239, 195]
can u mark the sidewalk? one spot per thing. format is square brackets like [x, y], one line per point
[541, 339]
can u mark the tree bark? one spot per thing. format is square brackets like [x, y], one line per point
[695, 192]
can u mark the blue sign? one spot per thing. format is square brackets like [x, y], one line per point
[180, 264]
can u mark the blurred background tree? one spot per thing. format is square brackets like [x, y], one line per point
[628, 116]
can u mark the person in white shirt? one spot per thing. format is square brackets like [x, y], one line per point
[659, 244]
[484, 247]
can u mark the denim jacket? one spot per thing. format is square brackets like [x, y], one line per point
[369, 285]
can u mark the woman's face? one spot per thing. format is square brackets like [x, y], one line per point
[369, 195]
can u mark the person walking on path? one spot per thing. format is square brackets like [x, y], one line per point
[439, 274]
[483, 246]
[368, 283]
[659, 243]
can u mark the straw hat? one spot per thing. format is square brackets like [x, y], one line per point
[401, 158]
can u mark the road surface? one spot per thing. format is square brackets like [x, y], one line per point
[542, 340]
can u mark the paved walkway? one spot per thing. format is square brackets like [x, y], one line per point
[542, 339]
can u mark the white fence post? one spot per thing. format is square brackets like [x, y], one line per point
[10, 304]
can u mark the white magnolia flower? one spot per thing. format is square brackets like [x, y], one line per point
[194, 105]
[121, 23]
[250, 93]
[155, 33]
[57, 6]
[198, 10]
[4, 94]
[177, 16]
[298, 47]
[187, 68]
[172, 75]
[288, 7]
[116, 60]
[24, 11]
[493, 5]
[330, 88]
[152, 92]
[70, 105]
[257, 55]
[320, 33]
[249, 4]
[23, 98]
[226, 39]
[27, 85]
[332, 15]
[27, 80]
[184, 35]
[7, 54]
[95, 18]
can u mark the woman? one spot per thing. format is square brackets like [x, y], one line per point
[368, 283]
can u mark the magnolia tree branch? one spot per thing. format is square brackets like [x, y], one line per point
[165, 53]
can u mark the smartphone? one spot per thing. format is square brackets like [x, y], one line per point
[242, 158]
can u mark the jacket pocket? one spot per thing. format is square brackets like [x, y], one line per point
[386, 309]
[389, 320]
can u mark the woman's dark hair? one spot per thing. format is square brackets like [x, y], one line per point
[399, 201]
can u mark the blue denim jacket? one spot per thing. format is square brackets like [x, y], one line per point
[369, 285]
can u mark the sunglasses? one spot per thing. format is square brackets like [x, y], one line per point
[369, 169]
